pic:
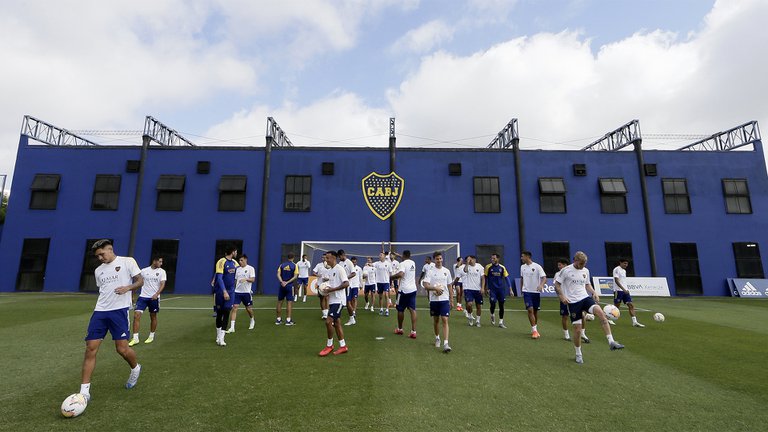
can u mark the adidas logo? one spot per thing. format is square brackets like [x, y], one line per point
[750, 290]
[123, 335]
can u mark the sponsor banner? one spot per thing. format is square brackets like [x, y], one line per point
[749, 288]
[637, 286]
[548, 291]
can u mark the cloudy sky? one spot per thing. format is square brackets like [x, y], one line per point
[332, 72]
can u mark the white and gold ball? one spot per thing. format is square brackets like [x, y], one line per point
[74, 405]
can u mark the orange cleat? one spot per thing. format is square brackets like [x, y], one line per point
[412, 335]
[535, 335]
[459, 308]
[341, 350]
[327, 350]
[398, 331]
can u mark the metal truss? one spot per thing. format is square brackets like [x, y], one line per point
[733, 138]
[618, 139]
[508, 137]
[47, 133]
[276, 134]
[162, 134]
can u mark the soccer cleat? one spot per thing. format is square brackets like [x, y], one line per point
[327, 350]
[349, 323]
[87, 397]
[253, 324]
[133, 342]
[585, 339]
[637, 324]
[501, 325]
[149, 340]
[535, 335]
[568, 338]
[381, 311]
[230, 330]
[471, 321]
[290, 323]
[611, 322]
[341, 350]
[616, 346]
[133, 378]
[398, 331]
[437, 342]
[278, 322]
[493, 319]
[386, 313]
[304, 300]
[412, 335]
[446, 349]
[579, 359]
[222, 343]
[459, 308]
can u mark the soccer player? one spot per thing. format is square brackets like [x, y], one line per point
[115, 277]
[406, 295]
[573, 287]
[498, 285]
[532, 280]
[336, 293]
[154, 282]
[474, 288]
[561, 264]
[427, 264]
[394, 283]
[620, 291]
[286, 274]
[383, 269]
[319, 271]
[244, 277]
[303, 279]
[354, 290]
[369, 279]
[458, 282]
[438, 286]
[226, 268]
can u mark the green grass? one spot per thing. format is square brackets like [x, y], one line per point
[703, 369]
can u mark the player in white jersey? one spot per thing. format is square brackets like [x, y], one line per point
[621, 293]
[458, 282]
[532, 281]
[115, 277]
[474, 289]
[319, 271]
[154, 283]
[354, 273]
[383, 268]
[561, 264]
[337, 296]
[406, 295]
[574, 287]
[301, 283]
[245, 275]
[427, 264]
[394, 283]
[438, 286]
[369, 281]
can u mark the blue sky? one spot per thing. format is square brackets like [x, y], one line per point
[332, 72]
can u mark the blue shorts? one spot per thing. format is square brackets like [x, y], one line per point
[406, 301]
[285, 293]
[225, 304]
[146, 302]
[578, 309]
[498, 294]
[473, 296]
[458, 285]
[352, 293]
[563, 309]
[532, 300]
[116, 321]
[244, 298]
[370, 289]
[621, 296]
[334, 310]
[439, 308]
[382, 287]
[302, 281]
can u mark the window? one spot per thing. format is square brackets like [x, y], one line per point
[170, 193]
[685, 266]
[34, 256]
[554, 251]
[232, 193]
[286, 248]
[551, 195]
[748, 262]
[298, 193]
[106, 192]
[613, 195]
[90, 263]
[222, 244]
[736, 196]
[483, 253]
[615, 251]
[169, 251]
[486, 193]
[45, 192]
[676, 200]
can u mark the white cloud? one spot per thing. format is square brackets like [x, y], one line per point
[424, 38]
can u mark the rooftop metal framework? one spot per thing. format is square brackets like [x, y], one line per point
[47, 133]
[508, 137]
[739, 136]
[617, 139]
[276, 134]
[162, 134]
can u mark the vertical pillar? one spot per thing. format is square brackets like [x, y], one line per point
[137, 198]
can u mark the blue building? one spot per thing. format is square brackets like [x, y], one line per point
[696, 216]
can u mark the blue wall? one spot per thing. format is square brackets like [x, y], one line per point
[435, 207]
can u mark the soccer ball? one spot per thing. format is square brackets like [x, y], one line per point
[74, 405]
[658, 317]
[589, 317]
[322, 289]
[612, 312]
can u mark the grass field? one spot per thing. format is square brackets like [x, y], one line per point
[703, 369]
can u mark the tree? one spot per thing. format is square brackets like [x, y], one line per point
[3, 206]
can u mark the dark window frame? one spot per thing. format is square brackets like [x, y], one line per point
[676, 196]
[297, 193]
[736, 195]
[170, 192]
[232, 189]
[106, 192]
[483, 253]
[551, 252]
[613, 195]
[44, 193]
[486, 194]
[686, 270]
[33, 261]
[748, 266]
[552, 195]
[615, 251]
[168, 249]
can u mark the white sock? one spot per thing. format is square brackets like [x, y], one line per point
[329, 342]
[634, 320]
[281, 318]
[253, 320]
[610, 338]
[135, 336]
[501, 321]
[342, 343]
[584, 333]
[437, 338]
[231, 324]
[533, 328]
[288, 319]
[85, 388]
[445, 342]
[325, 313]
[152, 335]
[578, 350]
